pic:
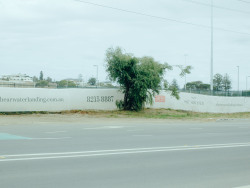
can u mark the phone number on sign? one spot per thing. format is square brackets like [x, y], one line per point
[100, 98]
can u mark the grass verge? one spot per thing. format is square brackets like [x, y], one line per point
[146, 113]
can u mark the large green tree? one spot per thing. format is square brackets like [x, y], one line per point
[41, 75]
[66, 84]
[175, 84]
[226, 83]
[217, 81]
[42, 83]
[92, 81]
[197, 85]
[139, 78]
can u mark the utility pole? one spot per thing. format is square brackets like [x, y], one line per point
[185, 74]
[212, 33]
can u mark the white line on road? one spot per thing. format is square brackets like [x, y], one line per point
[55, 132]
[246, 186]
[143, 135]
[51, 138]
[133, 130]
[40, 156]
[104, 127]
[243, 127]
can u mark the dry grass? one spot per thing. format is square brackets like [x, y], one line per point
[158, 114]
[146, 113]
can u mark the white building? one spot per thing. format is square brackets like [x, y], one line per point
[17, 78]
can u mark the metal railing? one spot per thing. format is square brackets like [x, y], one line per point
[17, 85]
[219, 93]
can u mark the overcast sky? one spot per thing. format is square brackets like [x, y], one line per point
[65, 38]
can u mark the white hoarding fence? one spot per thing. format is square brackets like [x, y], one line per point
[34, 99]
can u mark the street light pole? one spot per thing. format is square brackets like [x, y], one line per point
[212, 33]
[238, 79]
[96, 74]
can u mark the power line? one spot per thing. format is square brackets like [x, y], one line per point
[244, 1]
[161, 18]
[142, 14]
[218, 7]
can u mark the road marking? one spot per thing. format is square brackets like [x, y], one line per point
[212, 134]
[55, 132]
[243, 127]
[246, 186]
[142, 135]
[134, 130]
[95, 153]
[104, 127]
[7, 136]
[51, 138]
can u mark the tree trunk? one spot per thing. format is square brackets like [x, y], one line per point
[126, 105]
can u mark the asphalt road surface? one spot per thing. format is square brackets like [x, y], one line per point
[125, 153]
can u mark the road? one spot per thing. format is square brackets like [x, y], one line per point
[115, 153]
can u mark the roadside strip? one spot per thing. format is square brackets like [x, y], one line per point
[95, 153]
